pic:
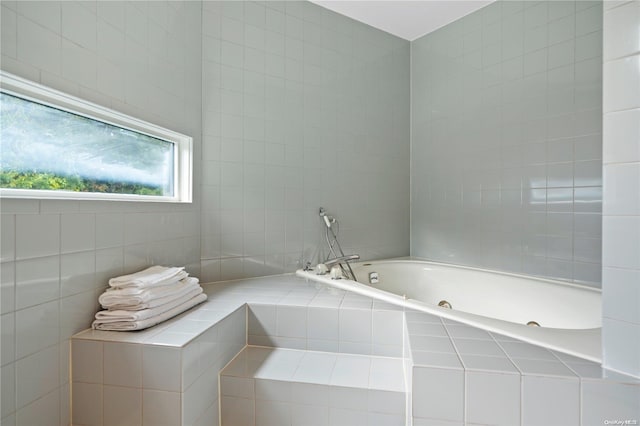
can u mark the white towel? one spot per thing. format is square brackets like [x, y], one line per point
[151, 277]
[134, 298]
[146, 323]
[127, 315]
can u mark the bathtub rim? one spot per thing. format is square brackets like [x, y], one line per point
[411, 259]
[581, 343]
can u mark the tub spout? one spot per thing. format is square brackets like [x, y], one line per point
[342, 259]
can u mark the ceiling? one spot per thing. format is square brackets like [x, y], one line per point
[406, 19]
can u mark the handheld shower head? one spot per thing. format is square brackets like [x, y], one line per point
[328, 220]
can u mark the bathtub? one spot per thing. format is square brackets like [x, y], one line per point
[569, 316]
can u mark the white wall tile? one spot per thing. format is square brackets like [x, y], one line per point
[291, 321]
[272, 412]
[37, 235]
[355, 326]
[621, 189]
[38, 46]
[621, 133]
[87, 361]
[621, 84]
[620, 352]
[8, 397]
[37, 281]
[8, 349]
[608, 400]
[200, 395]
[346, 417]
[160, 408]
[77, 272]
[7, 243]
[122, 364]
[238, 411]
[621, 241]
[492, 398]
[77, 232]
[322, 324]
[351, 371]
[548, 400]
[386, 326]
[7, 287]
[167, 360]
[109, 230]
[41, 411]
[122, 406]
[310, 394]
[36, 328]
[47, 15]
[620, 293]
[313, 415]
[87, 404]
[438, 394]
[315, 368]
[39, 31]
[622, 35]
[559, 98]
[77, 312]
[240, 387]
[273, 390]
[36, 375]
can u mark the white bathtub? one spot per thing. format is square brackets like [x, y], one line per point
[569, 315]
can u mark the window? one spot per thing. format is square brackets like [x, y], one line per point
[53, 145]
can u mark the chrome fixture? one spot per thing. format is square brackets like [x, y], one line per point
[533, 324]
[331, 237]
[374, 278]
[337, 260]
[445, 304]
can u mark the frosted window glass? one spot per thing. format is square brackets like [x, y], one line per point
[46, 148]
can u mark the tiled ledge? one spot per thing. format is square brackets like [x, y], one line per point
[289, 386]
[458, 373]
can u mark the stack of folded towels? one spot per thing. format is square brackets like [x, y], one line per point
[146, 298]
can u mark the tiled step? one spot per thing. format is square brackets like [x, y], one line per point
[275, 386]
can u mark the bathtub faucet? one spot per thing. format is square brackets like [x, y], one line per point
[342, 259]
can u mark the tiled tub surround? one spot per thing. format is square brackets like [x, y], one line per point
[296, 101]
[454, 374]
[165, 375]
[139, 58]
[506, 146]
[621, 203]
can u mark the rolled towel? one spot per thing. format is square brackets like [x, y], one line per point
[134, 298]
[151, 277]
[149, 322]
[122, 315]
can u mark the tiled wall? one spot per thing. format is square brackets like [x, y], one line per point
[354, 329]
[506, 140]
[302, 108]
[621, 203]
[140, 58]
[138, 384]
